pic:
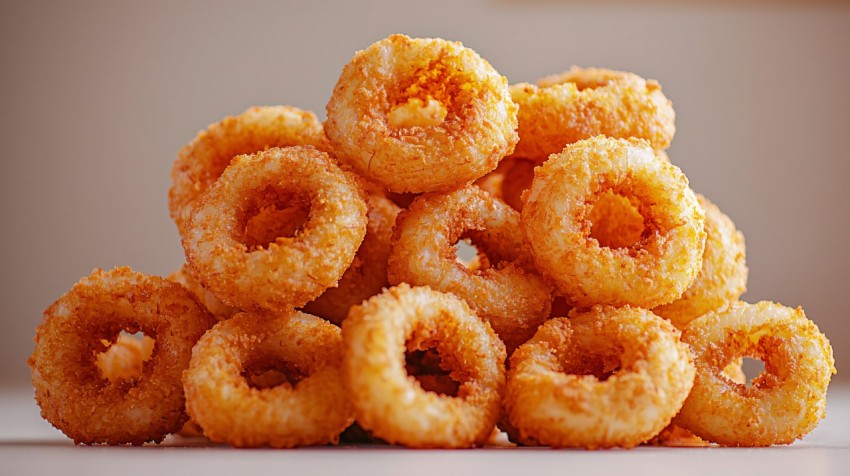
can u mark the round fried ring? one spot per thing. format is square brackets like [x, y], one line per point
[74, 396]
[514, 300]
[607, 377]
[421, 115]
[653, 271]
[291, 271]
[201, 162]
[390, 403]
[312, 411]
[784, 403]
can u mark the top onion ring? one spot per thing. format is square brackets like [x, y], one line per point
[421, 115]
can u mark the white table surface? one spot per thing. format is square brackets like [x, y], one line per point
[29, 445]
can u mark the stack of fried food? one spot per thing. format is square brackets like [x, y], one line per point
[322, 285]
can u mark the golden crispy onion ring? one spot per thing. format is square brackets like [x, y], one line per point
[291, 271]
[784, 403]
[314, 410]
[201, 162]
[507, 295]
[393, 405]
[607, 377]
[723, 277]
[367, 275]
[653, 271]
[218, 309]
[582, 103]
[85, 405]
[421, 115]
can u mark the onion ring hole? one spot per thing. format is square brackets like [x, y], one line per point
[615, 221]
[426, 367]
[125, 357]
[274, 215]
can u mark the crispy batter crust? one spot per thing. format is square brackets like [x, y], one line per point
[69, 388]
[657, 269]
[477, 129]
[582, 103]
[603, 378]
[784, 403]
[291, 271]
[393, 405]
[201, 162]
[509, 295]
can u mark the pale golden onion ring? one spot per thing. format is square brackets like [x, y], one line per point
[657, 269]
[291, 271]
[784, 403]
[603, 378]
[393, 405]
[202, 161]
[421, 115]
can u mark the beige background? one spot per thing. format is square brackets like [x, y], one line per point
[98, 97]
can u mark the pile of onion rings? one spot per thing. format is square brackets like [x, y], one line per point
[447, 262]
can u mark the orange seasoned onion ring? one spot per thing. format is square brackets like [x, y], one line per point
[392, 404]
[723, 277]
[784, 402]
[653, 271]
[202, 161]
[310, 408]
[421, 115]
[367, 275]
[582, 103]
[607, 377]
[85, 405]
[290, 271]
[513, 300]
[218, 309]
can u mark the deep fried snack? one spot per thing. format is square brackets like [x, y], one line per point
[201, 162]
[723, 277]
[607, 377]
[311, 408]
[392, 404]
[421, 115]
[290, 271]
[655, 270]
[74, 396]
[784, 403]
[367, 275]
[124, 359]
[506, 294]
[582, 103]
[218, 309]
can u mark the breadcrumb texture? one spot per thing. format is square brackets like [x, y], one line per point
[290, 271]
[312, 411]
[201, 162]
[507, 292]
[392, 404]
[602, 378]
[784, 403]
[421, 115]
[653, 271]
[585, 102]
[73, 394]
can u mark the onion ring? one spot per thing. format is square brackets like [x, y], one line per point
[657, 269]
[392, 404]
[784, 403]
[421, 115]
[723, 277]
[291, 271]
[367, 275]
[74, 396]
[214, 306]
[202, 161]
[558, 393]
[582, 103]
[311, 411]
[508, 295]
